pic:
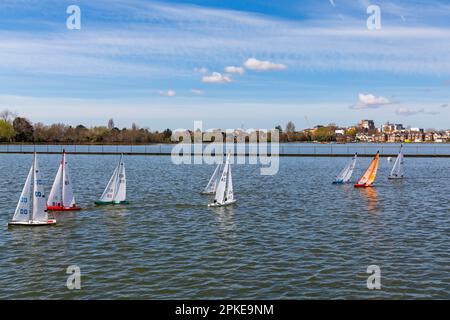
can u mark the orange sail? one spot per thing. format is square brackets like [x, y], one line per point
[369, 177]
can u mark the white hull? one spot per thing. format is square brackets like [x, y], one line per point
[395, 178]
[205, 192]
[221, 204]
[32, 223]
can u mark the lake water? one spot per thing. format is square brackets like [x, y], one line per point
[290, 236]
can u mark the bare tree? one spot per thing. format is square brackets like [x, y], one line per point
[290, 127]
[111, 124]
[8, 115]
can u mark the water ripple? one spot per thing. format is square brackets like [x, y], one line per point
[290, 236]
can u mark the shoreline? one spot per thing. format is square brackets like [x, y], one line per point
[428, 150]
[205, 142]
[321, 155]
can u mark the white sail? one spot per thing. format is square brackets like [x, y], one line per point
[121, 189]
[110, 190]
[346, 173]
[39, 203]
[23, 212]
[116, 189]
[68, 199]
[397, 171]
[350, 169]
[221, 186]
[213, 181]
[230, 195]
[55, 197]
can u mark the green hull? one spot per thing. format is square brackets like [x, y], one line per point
[104, 203]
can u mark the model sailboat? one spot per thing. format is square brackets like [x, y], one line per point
[369, 177]
[61, 196]
[346, 173]
[224, 192]
[397, 171]
[116, 190]
[213, 181]
[32, 195]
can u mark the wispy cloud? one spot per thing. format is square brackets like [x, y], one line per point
[168, 93]
[404, 111]
[201, 70]
[126, 44]
[216, 77]
[157, 34]
[233, 69]
[255, 64]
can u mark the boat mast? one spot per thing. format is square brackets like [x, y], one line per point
[33, 195]
[62, 177]
[117, 179]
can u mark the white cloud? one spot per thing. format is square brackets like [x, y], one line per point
[232, 69]
[403, 111]
[255, 64]
[216, 77]
[196, 91]
[168, 93]
[201, 70]
[370, 101]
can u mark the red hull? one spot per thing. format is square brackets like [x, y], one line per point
[362, 186]
[58, 208]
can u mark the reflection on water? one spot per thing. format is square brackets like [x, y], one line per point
[370, 195]
[292, 235]
[225, 217]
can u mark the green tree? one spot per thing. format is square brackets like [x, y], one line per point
[167, 134]
[324, 134]
[7, 132]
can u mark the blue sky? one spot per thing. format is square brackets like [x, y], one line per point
[229, 63]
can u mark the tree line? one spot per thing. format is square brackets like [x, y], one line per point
[21, 130]
[318, 134]
[16, 129]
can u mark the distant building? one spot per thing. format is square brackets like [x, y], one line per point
[415, 136]
[380, 137]
[429, 137]
[392, 127]
[388, 127]
[366, 125]
[439, 137]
